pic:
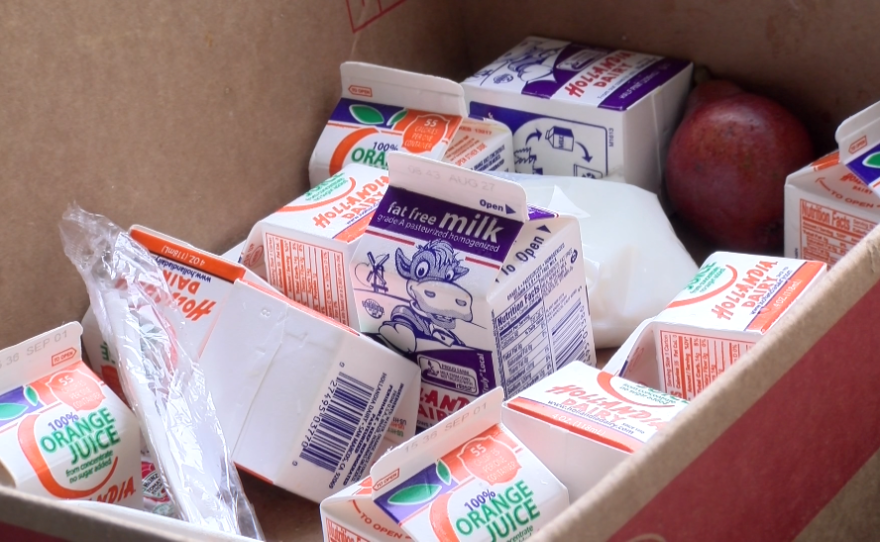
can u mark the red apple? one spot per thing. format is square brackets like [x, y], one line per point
[727, 164]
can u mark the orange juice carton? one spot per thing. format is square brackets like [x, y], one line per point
[199, 282]
[583, 111]
[733, 301]
[383, 110]
[304, 248]
[827, 210]
[351, 515]
[468, 478]
[305, 402]
[481, 145]
[63, 433]
[581, 422]
[479, 289]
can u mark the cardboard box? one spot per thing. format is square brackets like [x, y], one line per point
[384, 110]
[581, 422]
[304, 248]
[730, 305]
[63, 434]
[305, 403]
[481, 145]
[200, 118]
[477, 288]
[828, 210]
[583, 111]
[468, 478]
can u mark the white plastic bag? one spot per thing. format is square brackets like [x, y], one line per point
[635, 263]
[159, 374]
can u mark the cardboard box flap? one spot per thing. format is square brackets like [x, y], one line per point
[408, 459]
[37, 357]
[373, 83]
[858, 139]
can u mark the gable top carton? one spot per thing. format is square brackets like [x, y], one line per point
[383, 110]
[581, 422]
[828, 209]
[467, 478]
[733, 301]
[199, 281]
[858, 140]
[63, 433]
[304, 248]
[305, 402]
[583, 111]
[458, 273]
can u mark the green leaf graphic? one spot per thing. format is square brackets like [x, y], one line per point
[397, 117]
[443, 472]
[31, 395]
[10, 411]
[366, 114]
[873, 160]
[415, 494]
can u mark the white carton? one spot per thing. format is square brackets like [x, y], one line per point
[467, 479]
[304, 249]
[583, 111]
[858, 140]
[383, 110]
[305, 403]
[352, 516]
[477, 287]
[63, 434]
[481, 145]
[581, 422]
[827, 211]
[199, 281]
[731, 304]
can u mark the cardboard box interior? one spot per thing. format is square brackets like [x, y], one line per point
[198, 119]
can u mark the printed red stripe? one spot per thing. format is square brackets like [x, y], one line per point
[779, 464]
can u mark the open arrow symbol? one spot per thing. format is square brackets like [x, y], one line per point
[587, 156]
[536, 134]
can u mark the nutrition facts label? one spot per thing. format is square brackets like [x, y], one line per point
[700, 359]
[827, 234]
[308, 274]
[542, 324]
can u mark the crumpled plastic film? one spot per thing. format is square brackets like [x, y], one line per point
[165, 387]
[635, 263]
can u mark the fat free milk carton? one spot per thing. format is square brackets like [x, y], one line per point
[63, 433]
[468, 478]
[383, 110]
[581, 422]
[733, 301]
[303, 249]
[827, 211]
[480, 290]
[583, 111]
[305, 402]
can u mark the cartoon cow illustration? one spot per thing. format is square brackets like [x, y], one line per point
[436, 301]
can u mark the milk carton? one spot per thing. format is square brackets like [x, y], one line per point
[858, 139]
[305, 403]
[583, 111]
[383, 110]
[199, 282]
[827, 211]
[468, 478]
[734, 300]
[581, 422]
[304, 248]
[63, 433]
[481, 145]
[458, 273]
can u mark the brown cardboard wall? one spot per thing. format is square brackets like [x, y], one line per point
[818, 57]
[194, 118]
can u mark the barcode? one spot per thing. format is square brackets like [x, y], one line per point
[568, 334]
[338, 423]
